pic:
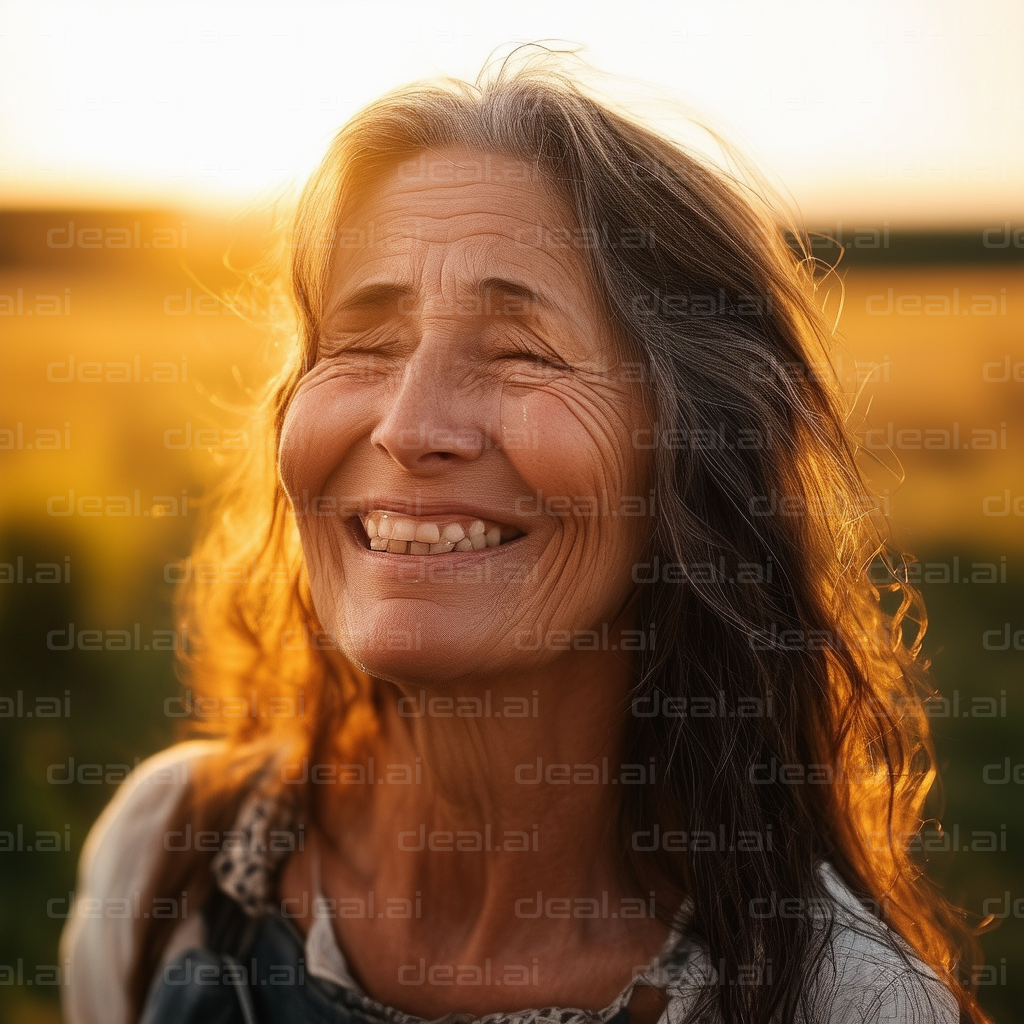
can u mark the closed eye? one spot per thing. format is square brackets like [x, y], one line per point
[536, 359]
[329, 350]
[341, 344]
[528, 349]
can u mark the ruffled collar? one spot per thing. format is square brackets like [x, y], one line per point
[245, 869]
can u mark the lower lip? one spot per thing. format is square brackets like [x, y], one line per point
[401, 565]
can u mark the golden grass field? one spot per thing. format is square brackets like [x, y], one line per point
[918, 340]
[157, 407]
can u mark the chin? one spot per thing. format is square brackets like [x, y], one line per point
[414, 643]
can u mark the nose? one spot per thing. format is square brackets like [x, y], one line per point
[431, 420]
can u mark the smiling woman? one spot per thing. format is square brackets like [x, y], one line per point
[437, 342]
[534, 360]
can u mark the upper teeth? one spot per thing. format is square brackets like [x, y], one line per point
[400, 535]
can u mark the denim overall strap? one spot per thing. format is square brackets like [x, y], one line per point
[270, 985]
[200, 987]
[267, 984]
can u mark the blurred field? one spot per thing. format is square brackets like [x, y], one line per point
[936, 348]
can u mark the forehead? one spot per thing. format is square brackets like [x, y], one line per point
[459, 215]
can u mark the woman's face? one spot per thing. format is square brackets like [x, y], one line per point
[466, 375]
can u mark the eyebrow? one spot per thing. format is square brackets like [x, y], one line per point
[375, 296]
[381, 295]
[513, 290]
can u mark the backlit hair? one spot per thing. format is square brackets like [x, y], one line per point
[753, 465]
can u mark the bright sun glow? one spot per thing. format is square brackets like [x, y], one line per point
[907, 112]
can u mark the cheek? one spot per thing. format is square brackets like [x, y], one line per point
[595, 501]
[572, 443]
[320, 425]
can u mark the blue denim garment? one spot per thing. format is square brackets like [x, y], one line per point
[269, 984]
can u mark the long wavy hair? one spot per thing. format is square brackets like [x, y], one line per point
[755, 466]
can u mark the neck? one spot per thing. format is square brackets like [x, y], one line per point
[513, 788]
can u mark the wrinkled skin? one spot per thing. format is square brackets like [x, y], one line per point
[444, 389]
[469, 397]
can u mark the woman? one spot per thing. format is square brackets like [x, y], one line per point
[553, 676]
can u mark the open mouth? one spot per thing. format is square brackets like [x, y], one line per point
[401, 534]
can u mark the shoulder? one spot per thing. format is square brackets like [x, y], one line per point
[144, 801]
[866, 973]
[870, 974]
[118, 858]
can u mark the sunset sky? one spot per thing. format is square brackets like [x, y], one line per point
[906, 112]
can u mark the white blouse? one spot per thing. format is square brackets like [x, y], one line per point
[871, 975]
